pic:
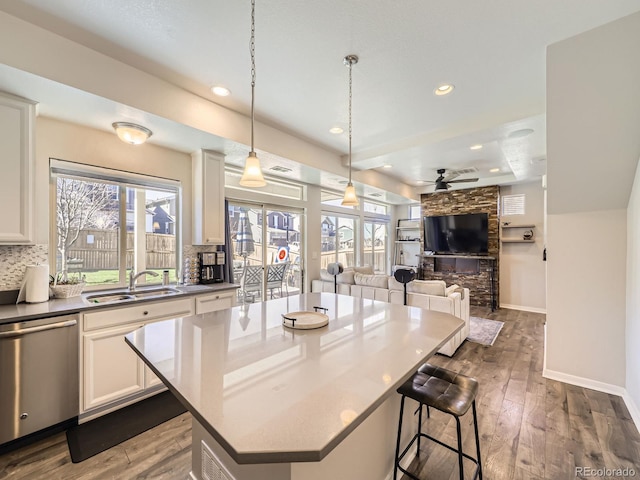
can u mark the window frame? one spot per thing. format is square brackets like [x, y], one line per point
[123, 180]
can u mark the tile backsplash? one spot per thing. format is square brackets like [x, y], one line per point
[14, 259]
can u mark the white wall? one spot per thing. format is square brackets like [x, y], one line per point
[522, 270]
[593, 147]
[586, 296]
[633, 301]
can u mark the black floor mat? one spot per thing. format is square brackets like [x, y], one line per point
[98, 435]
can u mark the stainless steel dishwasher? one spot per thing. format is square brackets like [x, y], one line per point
[38, 375]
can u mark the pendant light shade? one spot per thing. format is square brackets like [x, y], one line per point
[252, 175]
[131, 133]
[350, 198]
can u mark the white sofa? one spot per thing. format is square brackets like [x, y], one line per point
[427, 294]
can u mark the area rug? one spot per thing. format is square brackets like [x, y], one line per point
[91, 438]
[484, 331]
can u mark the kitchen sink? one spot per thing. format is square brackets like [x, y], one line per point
[126, 295]
[154, 292]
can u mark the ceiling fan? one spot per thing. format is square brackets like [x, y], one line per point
[442, 182]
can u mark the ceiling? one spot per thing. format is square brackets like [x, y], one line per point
[494, 54]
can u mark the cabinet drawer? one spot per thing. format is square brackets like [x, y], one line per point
[215, 301]
[143, 312]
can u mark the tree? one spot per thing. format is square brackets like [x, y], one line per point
[79, 205]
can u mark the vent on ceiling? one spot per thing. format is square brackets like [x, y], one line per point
[461, 171]
[212, 469]
[375, 194]
[343, 182]
[280, 169]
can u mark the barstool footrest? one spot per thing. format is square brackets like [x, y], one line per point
[418, 435]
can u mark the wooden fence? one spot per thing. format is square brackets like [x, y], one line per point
[98, 250]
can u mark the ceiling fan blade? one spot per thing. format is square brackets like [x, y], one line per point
[463, 180]
[450, 177]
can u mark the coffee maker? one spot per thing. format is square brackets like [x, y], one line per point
[211, 267]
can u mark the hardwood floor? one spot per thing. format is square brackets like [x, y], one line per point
[162, 453]
[531, 428]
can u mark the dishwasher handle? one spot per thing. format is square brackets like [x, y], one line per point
[39, 328]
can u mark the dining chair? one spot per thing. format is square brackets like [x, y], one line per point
[276, 273]
[251, 282]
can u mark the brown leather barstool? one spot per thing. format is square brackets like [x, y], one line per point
[448, 392]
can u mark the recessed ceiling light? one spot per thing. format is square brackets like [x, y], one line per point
[475, 147]
[525, 132]
[444, 89]
[419, 182]
[386, 165]
[336, 130]
[220, 91]
[494, 170]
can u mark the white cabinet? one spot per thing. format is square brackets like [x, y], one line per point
[215, 301]
[17, 159]
[111, 371]
[208, 198]
[111, 368]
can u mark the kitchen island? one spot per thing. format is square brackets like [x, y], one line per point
[274, 403]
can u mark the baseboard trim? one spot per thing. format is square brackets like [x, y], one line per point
[584, 382]
[633, 408]
[523, 308]
[600, 387]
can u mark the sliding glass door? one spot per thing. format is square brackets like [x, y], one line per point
[267, 245]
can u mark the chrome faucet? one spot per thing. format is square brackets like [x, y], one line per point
[134, 276]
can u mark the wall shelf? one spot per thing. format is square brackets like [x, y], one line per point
[518, 226]
[513, 239]
[406, 250]
[518, 240]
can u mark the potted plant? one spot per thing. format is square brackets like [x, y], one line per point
[63, 286]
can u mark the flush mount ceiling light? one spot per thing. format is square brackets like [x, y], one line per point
[475, 147]
[252, 175]
[131, 133]
[444, 89]
[336, 130]
[220, 91]
[350, 199]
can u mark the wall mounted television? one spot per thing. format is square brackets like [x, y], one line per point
[457, 234]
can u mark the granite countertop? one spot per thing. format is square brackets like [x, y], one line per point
[267, 393]
[63, 306]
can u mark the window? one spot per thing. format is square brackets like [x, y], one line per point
[92, 207]
[513, 204]
[275, 187]
[375, 246]
[338, 240]
[414, 211]
[377, 208]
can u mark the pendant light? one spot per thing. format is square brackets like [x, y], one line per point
[350, 199]
[252, 175]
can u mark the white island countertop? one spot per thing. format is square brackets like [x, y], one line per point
[270, 394]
